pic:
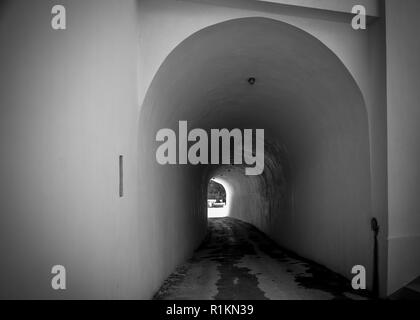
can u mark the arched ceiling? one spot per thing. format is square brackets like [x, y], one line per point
[302, 90]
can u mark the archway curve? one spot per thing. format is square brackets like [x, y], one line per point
[305, 99]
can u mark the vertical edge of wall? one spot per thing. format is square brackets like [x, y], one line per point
[376, 103]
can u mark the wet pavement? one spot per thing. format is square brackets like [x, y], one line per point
[237, 261]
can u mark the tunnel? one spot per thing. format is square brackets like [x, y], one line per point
[81, 108]
[313, 197]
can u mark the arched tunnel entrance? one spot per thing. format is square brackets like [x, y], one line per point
[313, 197]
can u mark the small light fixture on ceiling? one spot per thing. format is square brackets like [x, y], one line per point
[251, 80]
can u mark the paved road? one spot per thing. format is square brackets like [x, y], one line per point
[236, 261]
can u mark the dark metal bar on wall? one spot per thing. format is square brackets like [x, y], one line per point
[121, 187]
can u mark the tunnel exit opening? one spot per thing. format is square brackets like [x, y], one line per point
[217, 199]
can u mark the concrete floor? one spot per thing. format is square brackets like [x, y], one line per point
[237, 261]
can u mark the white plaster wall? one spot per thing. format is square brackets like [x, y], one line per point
[68, 110]
[403, 74]
[333, 5]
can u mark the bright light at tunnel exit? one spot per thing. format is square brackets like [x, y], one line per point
[222, 211]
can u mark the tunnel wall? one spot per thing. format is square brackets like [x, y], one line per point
[315, 203]
[268, 194]
[403, 74]
[172, 198]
